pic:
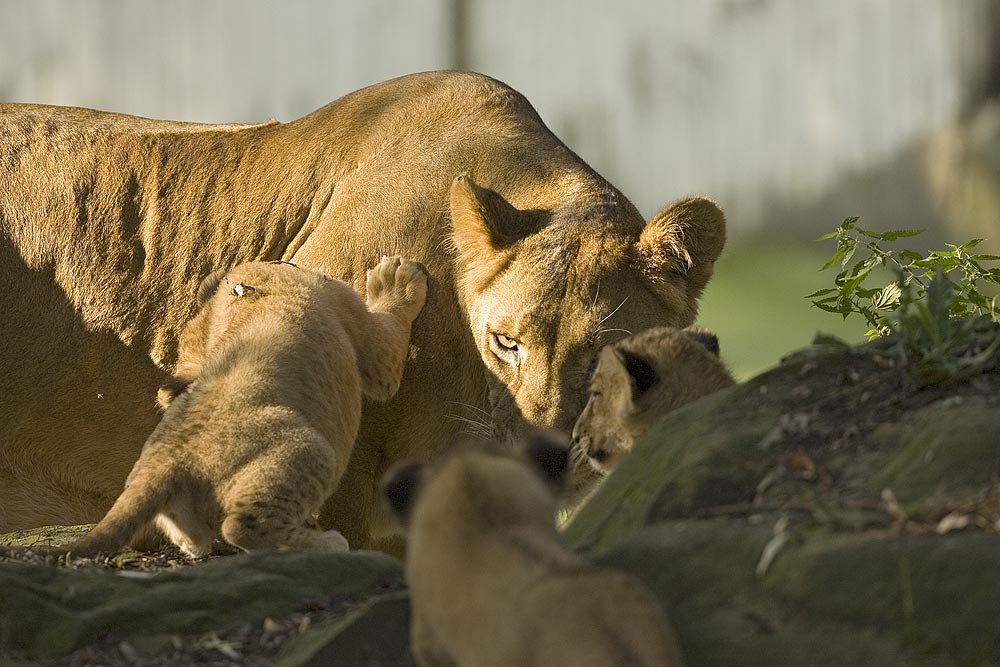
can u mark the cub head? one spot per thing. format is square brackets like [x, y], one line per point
[232, 306]
[492, 484]
[638, 380]
[546, 289]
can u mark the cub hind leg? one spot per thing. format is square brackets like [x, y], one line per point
[269, 504]
[396, 290]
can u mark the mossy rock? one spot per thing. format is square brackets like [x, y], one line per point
[803, 517]
[47, 611]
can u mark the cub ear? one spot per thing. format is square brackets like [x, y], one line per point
[549, 453]
[209, 285]
[166, 394]
[400, 486]
[642, 374]
[705, 337]
[483, 226]
[685, 239]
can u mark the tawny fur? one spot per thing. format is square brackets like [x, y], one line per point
[262, 417]
[684, 365]
[491, 586]
[107, 222]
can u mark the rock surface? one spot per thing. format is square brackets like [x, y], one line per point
[828, 512]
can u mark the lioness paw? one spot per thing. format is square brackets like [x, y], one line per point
[397, 285]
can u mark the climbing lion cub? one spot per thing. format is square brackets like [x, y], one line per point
[491, 585]
[265, 407]
[638, 380]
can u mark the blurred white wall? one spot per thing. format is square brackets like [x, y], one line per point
[751, 101]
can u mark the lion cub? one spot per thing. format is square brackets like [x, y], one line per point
[638, 380]
[262, 416]
[490, 583]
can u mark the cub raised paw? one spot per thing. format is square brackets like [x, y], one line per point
[397, 285]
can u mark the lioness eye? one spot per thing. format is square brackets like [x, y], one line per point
[506, 343]
[505, 348]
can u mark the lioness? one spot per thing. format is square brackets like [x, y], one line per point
[261, 420]
[638, 380]
[107, 223]
[489, 582]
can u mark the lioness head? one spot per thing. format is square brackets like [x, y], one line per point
[640, 379]
[545, 290]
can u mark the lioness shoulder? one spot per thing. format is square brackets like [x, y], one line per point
[262, 416]
[638, 380]
[490, 583]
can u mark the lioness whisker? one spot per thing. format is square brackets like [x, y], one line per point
[473, 407]
[613, 311]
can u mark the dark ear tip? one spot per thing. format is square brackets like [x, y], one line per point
[549, 452]
[707, 338]
[399, 486]
[173, 388]
[642, 372]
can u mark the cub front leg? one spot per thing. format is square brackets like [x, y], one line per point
[396, 291]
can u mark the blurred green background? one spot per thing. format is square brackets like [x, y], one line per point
[755, 303]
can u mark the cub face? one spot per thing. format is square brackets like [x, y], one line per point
[638, 380]
[545, 290]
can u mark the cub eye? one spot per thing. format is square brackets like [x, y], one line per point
[504, 347]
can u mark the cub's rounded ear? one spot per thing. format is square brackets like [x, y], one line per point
[173, 388]
[209, 285]
[705, 337]
[400, 486]
[641, 372]
[549, 453]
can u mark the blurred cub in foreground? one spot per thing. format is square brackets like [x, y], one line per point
[638, 380]
[265, 407]
[489, 581]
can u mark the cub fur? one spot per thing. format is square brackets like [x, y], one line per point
[264, 411]
[638, 380]
[490, 584]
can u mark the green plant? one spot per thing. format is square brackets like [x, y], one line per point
[913, 272]
[944, 328]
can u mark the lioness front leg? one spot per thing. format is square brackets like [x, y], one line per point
[396, 290]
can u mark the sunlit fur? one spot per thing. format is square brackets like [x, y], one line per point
[617, 412]
[262, 417]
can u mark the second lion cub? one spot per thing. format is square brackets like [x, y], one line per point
[490, 583]
[266, 406]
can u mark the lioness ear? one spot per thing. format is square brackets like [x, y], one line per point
[642, 374]
[209, 285]
[705, 337]
[685, 239]
[483, 225]
[550, 455]
[400, 486]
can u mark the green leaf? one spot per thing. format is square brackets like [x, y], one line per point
[971, 244]
[821, 292]
[985, 258]
[901, 233]
[828, 236]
